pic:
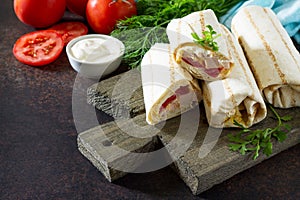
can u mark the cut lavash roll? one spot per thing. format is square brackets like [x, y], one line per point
[202, 62]
[235, 98]
[168, 90]
[271, 54]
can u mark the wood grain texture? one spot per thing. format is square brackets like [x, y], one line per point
[216, 163]
[118, 96]
[108, 147]
[201, 164]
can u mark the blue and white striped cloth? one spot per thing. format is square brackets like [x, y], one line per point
[287, 11]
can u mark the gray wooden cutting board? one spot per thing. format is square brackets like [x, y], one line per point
[200, 154]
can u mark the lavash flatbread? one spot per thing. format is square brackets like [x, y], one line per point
[168, 90]
[235, 98]
[271, 54]
[201, 62]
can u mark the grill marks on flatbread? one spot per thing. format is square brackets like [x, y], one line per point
[236, 97]
[280, 30]
[171, 64]
[267, 48]
[200, 61]
[202, 21]
[271, 54]
[168, 90]
[259, 37]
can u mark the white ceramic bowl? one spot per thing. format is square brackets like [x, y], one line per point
[101, 67]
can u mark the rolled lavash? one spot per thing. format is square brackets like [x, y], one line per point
[200, 61]
[235, 98]
[274, 60]
[168, 90]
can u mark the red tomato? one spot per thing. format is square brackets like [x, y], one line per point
[70, 30]
[77, 6]
[102, 15]
[39, 13]
[38, 48]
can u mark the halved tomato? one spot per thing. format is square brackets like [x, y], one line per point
[70, 30]
[38, 48]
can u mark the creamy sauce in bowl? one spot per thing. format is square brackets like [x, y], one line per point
[94, 50]
[95, 55]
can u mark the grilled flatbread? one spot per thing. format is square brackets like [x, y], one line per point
[201, 61]
[168, 90]
[274, 60]
[235, 98]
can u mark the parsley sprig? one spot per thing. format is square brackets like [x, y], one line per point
[248, 140]
[208, 39]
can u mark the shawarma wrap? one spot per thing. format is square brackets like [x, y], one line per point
[200, 61]
[235, 98]
[168, 90]
[272, 56]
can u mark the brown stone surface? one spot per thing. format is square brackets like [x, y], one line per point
[39, 158]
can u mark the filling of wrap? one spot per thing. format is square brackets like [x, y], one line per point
[172, 102]
[206, 61]
[168, 90]
[181, 100]
[209, 62]
[247, 112]
[243, 115]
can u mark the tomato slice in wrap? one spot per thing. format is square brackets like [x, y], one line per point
[182, 90]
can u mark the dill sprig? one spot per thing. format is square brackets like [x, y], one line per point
[138, 42]
[153, 16]
[248, 140]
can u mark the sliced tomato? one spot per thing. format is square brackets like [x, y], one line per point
[70, 30]
[38, 48]
[182, 90]
[168, 101]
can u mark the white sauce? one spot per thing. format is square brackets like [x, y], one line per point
[95, 50]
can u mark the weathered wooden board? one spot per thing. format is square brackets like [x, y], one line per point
[207, 160]
[118, 94]
[201, 168]
[108, 145]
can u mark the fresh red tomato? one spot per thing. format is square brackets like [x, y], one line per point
[77, 6]
[39, 13]
[38, 48]
[70, 30]
[102, 15]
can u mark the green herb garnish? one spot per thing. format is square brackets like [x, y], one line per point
[261, 139]
[153, 16]
[208, 39]
[143, 38]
